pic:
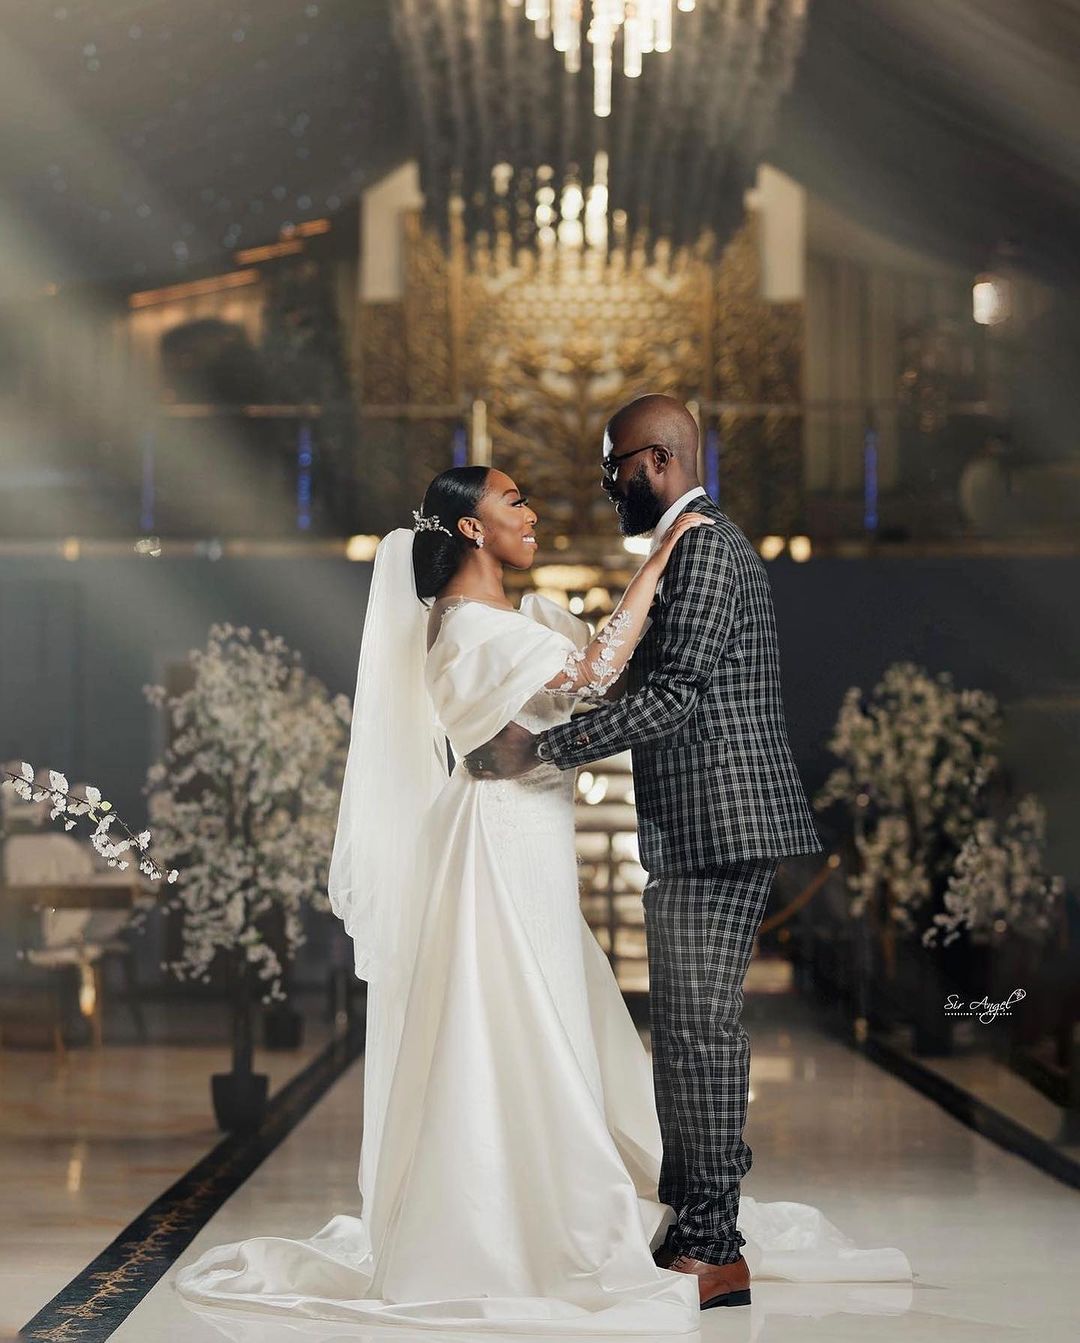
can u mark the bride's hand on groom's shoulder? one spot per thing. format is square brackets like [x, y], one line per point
[687, 522]
[506, 756]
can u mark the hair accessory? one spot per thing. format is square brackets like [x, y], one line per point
[428, 524]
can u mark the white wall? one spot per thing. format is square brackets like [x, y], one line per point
[382, 270]
[781, 207]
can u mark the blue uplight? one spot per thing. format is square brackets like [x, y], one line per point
[870, 479]
[305, 455]
[712, 462]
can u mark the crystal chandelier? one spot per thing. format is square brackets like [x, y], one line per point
[511, 154]
[646, 27]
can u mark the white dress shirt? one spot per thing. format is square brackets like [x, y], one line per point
[664, 525]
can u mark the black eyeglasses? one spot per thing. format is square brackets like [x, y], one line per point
[610, 465]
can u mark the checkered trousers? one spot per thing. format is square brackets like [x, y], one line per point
[714, 777]
[700, 929]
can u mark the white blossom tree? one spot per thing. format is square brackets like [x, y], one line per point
[916, 757]
[917, 760]
[245, 803]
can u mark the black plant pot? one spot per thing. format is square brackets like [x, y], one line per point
[933, 1036]
[884, 1002]
[968, 969]
[239, 1100]
[918, 990]
[933, 1027]
[882, 972]
[239, 1096]
[283, 1027]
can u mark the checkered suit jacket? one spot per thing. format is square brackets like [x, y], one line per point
[714, 777]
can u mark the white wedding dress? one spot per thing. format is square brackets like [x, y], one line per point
[510, 1149]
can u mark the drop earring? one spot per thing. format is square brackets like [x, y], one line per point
[480, 542]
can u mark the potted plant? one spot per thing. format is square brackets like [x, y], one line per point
[245, 802]
[916, 756]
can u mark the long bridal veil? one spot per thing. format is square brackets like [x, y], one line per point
[395, 766]
[395, 769]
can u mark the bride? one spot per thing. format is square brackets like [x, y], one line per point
[511, 1150]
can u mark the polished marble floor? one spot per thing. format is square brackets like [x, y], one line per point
[87, 1143]
[89, 1140]
[994, 1243]
[999, 1086]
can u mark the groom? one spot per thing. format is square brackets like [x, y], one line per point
[719, 803]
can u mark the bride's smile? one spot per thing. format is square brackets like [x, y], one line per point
[509, 523]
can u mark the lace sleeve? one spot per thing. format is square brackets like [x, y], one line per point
[591, 679]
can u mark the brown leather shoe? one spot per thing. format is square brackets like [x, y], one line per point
[718, 1284]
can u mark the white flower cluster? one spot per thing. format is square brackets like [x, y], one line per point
[916, 757]
[890, 866]
[63, 802]
[999, 884]
[245, 800]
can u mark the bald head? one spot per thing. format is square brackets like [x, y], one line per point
[650, 459]
[656, 419]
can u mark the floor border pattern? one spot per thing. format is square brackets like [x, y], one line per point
[973, 1112]
[98, 1300]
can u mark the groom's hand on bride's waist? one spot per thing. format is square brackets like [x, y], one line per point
[505, 756]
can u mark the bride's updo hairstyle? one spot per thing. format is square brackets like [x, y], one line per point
[451, 496]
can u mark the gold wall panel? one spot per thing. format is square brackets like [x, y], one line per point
[554, 343]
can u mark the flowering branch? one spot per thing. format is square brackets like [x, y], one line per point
[92, 805]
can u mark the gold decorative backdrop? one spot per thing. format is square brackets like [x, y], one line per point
[553, 343]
